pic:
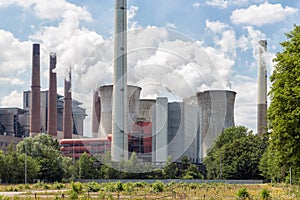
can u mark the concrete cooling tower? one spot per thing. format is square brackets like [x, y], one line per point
[96, 114]
[146, 109]
[106, 93]
[216, 114]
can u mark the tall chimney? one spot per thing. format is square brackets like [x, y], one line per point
[96, 114]
[52, 98]
[35, 103]
[262, 89]
[119, 150]
[67, 115]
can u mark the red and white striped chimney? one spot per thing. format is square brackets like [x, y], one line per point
[52, 98]
[35, 102]
[67, 115]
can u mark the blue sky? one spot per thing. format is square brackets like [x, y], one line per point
[210, 45]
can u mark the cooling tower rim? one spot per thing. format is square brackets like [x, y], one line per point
[216, 91]
[153, 100]
[110, 85]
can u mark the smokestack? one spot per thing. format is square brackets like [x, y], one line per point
[35, 103]
[67, 115]
[262, 89]
[96, 114]
[52, 98]
[119, 149]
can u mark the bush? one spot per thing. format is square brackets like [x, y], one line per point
[57, 186]
[92, 187]
[73, 194]
[129, 187]
[139, 184]
[46, 187]
[119, 186]
[242, 193]
[265, 194]
[110, 187]
[76, 187]
[158, 186]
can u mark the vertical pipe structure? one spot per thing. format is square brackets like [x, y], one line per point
[67, 115]
[262, 88]
[52, 97]
[96, 114]
[161, 131]
[119, 119]
[35, 103]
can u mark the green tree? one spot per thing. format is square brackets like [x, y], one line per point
[31, 166]
[11, 166]
[170, 170]
[45, 150]
[284, 110]
[235, 154]
[192, 172]
[86, 167]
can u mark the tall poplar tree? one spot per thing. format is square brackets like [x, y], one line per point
[284, 110]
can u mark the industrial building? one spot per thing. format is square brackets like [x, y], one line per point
[78, 112]
[158, 129]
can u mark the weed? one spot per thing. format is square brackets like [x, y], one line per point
[265, 194]
[92, 187]
[158, 186]
[242, 193]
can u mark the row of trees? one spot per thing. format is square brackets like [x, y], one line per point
[39, 158]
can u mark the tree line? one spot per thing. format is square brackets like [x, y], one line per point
[39, 159]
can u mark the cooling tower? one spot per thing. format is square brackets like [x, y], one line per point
[146, 109]
[67, 113]
[96, 114]
[216, 114]
[119, 149]
[262, 89]
[52, 98]
[106, 93]
[35, 103]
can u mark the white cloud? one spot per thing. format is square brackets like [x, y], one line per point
[50, 9]
[253, 37]
[11, 81]
[245, 106]
[15, 55]
[14, 99]
[224, 36]
[196, 5]
[261, 15]
[218, 3]
[131, 13]
[170, 25]
[215, 26]
[226, 3]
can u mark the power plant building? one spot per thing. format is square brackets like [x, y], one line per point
[158, 129]
[78, 113]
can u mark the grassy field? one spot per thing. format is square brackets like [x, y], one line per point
[141, 190]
